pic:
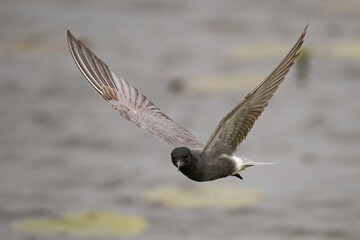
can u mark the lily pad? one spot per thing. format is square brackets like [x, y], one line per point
[349, 49]
[335, 7]
[223, 197]
[257, 51]
[32, 45]
[85, 223]
[222, 83]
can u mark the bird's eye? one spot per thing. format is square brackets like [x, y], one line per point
[186, 157]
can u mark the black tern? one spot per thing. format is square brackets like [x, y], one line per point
[198, 161]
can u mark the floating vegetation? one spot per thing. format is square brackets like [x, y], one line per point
[303, 66]
[32, 46]
[86, 223]
[223, 83]
[204, 197]
[335, 7]
[176, 85]
[257, 51]
[342, 49]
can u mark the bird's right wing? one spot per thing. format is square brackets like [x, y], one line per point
[235, 126]
[126, 99]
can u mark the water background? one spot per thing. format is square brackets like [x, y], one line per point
[63, 149]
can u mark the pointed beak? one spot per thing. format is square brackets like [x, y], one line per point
[178, 165]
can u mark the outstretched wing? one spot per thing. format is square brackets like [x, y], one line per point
[235, 126]
[130, 103]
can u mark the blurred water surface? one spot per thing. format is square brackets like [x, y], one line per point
[63, 149]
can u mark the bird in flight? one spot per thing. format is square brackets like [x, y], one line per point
[198, 161]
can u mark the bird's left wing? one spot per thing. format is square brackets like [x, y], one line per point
[235, 126]
[126, 99]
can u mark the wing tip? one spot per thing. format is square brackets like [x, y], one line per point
[77, 48]
[70, 38]
[301, 41]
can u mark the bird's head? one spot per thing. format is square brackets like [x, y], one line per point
[181, 157]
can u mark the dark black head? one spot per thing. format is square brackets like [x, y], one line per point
[181, 156]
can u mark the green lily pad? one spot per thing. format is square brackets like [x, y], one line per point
[349, 49]
[32, 46]
[341, 49]
[85, 223]
[204, 197]
[222, 83]
[257, 51]
[335, 7]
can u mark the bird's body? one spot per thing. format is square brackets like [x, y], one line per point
[198, 161]
[201, 167]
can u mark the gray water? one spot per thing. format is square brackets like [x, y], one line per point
[63, 149]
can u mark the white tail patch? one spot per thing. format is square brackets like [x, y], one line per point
[251, 163]
[242, 163]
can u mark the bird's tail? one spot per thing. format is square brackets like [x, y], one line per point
[249, 163]
[260, 163]
[242, 163]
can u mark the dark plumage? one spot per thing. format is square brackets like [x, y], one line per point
[194, 159]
